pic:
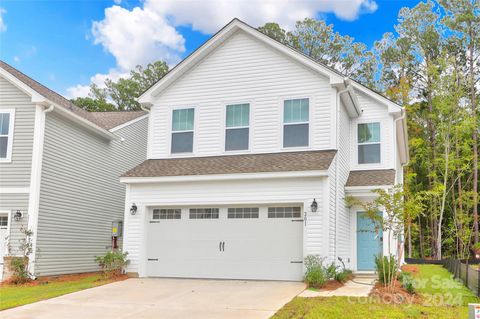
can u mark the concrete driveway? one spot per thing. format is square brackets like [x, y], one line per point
[166, 298]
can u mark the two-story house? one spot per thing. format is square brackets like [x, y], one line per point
[59, 170]
[252, 150]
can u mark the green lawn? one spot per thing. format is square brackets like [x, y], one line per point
[13, 296]
[436, 285]
[443, 298]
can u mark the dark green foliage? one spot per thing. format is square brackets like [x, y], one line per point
[19, 268]
[343, 275]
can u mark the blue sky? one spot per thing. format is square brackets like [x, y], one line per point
[63, 44]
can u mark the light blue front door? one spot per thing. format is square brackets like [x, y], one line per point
[369, 243]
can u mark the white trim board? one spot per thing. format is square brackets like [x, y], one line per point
[217, 177]
[135, 120]
[14, 190]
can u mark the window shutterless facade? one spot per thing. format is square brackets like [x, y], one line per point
[295, 123]
[237, 127]
[204, 213]
[182, 130]
[284, 212]
[369, 146]
[243, 212]
[6, 134]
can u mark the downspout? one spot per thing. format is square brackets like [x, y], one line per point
[337, 141]
[402, 117]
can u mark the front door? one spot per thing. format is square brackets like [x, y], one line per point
[369, 242]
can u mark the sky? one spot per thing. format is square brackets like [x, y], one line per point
[69, 44]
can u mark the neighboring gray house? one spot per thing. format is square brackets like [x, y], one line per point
[59, 174]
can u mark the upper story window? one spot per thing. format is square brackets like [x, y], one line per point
[6, 134]
[237, 127]
[368, 138]
[182, 130]
[295, 122]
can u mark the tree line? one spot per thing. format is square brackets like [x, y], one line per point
[431, 66]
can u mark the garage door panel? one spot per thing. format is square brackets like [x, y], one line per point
[234, 248]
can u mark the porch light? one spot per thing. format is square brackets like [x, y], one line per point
[18, 215]
[314, 206]
[133, 209]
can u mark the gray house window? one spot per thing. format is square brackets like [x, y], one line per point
[182, 130]
[295, 122]
[368, 138]
[237, 130]
[6, 134]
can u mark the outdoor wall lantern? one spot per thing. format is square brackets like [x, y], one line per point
[18, 215]
[314, 206]
[133, 209]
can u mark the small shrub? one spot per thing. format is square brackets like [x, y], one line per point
[386, 267]
[19, 268]
[316, 278]
[315, 272]
[332, 270]
[112, 263]
[344, 275]
[407, 282]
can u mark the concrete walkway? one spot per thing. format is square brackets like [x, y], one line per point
[166, 299]
[358, 287]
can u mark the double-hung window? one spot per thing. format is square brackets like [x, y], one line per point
[237, 130]
[182, 130]
[369, 147]
[295, 122]
[6, 134]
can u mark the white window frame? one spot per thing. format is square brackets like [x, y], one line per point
[195, 115]
[282, 124]
[11, 125]
[357, 153]
[225, 128]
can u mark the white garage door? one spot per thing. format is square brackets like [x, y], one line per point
[254, 242]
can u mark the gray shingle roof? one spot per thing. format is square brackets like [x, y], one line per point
[378, 177]
[109, 120]
[235, 164]
[102, 119]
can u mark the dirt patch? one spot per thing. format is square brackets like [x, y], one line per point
[397, 295]
[413, 269]
[331, 285]
[65, 278]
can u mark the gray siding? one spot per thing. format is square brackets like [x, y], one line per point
[80, 193]
[11, 203]
[17, 172]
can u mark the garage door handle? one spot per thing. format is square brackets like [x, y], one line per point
[223, 246]
[220, 246]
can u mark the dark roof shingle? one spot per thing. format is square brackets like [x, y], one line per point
[109, 120]
[105, 120]
[378, 177]
[235, 164]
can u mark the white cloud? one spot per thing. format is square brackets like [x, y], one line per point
[138, 36]
[98, 79]
[3, 26]
[148, 33]
[208, 16]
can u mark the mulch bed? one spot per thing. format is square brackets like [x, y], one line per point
[413, 269]
[397, 295]
[331, 285]
[63, 278]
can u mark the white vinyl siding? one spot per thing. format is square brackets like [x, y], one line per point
[16, 171]
[182, 130]
[7, 120]
[264, 78]
[237, 130]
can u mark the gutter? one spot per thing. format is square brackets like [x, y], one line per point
[405, 133]
[146, 107]
[80, 120]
